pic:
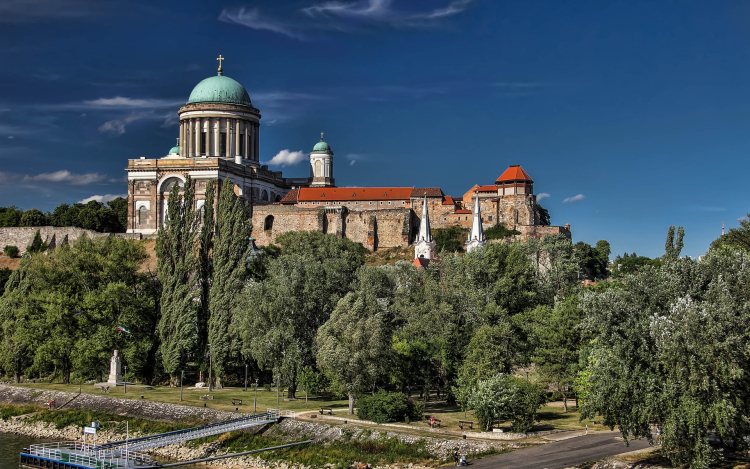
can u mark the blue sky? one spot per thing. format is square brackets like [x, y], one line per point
[631, 116]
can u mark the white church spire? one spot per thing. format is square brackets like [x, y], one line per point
[424, 247]
[476, 237]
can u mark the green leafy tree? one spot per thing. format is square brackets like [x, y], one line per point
[62, 310]
[33, 217]
[673, 246]
[119, 207]
[230, 251]
[736, 238]
[491, 399]
[277, 317]
[556, 341]
[542, 215]
[354, 345]
[450, 239]
[37, 245]
[205, 266]
[11, 251]
[669, 347]
[176, 265]
[499, 231]
[312, 381]
[10, 216]
[556, 263]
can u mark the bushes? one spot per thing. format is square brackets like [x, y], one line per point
[388, 407]
[11, 251]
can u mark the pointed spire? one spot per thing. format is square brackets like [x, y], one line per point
[476, 237]
[425, 234]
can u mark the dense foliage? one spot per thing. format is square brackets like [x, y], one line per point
[106, 218]
[382, 407]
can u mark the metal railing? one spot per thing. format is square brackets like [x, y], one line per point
[87, 455]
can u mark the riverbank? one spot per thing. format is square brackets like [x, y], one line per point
[339, 445]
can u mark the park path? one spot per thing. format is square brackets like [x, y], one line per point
[565, 453]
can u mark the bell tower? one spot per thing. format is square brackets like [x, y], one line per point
[321, 165]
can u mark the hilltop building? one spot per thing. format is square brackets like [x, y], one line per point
[219, 133]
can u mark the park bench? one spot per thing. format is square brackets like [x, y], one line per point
[207, 396]
[326, 409]
[434, 422]
[461, 424]
[598, 422]
[236, 401]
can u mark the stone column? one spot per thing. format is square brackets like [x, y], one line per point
[256, 129]
[237, 136]
[217, 139]
[181, 138]
[229, 137]
[198, 130]
[247, 138]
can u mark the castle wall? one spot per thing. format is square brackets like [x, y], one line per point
[21, 237]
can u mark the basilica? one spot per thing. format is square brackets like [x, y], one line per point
[219, 131]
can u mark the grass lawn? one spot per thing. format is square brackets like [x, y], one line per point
[222, 398]
[551, 417]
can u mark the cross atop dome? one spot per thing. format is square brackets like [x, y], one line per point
[220, 58]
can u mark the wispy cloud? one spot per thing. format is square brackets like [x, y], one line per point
[541, 196]
[32, 11]
[65, 176]
[102, 198]
[287, 158]
[707, 208]
[117, 126]
[252, 18]
[121, 102]
[341, 16]
[575, 198]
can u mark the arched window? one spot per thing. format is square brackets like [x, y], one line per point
[268, 223]
[277, 199]
[142, 214]
[264, 196]
[318, 169]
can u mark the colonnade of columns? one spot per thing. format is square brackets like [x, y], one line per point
[241, 137]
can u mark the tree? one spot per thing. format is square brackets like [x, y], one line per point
[62, 310]
[673, 246]
[556, 263]
[354, 345]
[735, 238]
[37, 245]
[11, 251]
[10, 216]
[277, 317]
[542, 215]
[593, 261]
[119, 208]
[669, 347]
[176, 265]
[33, 217]
[230, 251]
[205, 266]
[450, 239]
[491, 399]
[499, 231]
[556, 341]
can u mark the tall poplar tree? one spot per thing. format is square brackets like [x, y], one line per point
[205, 265]
[176, 265]
[230, 250]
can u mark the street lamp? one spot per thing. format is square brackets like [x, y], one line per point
[125, 380]
[182, 375]
[255, 402]
[245, 377]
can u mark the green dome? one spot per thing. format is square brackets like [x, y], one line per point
[174, 151]
[322, 147]
[219, 89]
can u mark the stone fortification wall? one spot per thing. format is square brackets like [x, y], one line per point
[538, 231]
[21, 237]
[283, 218]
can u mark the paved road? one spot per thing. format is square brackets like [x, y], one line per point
[559, 454]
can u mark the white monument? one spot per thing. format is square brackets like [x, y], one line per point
[115, 370]
[476, 237]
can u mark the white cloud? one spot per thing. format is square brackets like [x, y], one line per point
[575, 198]
[341, 16]
[117, 126]
[252, 18]
[66, 177]
[541, 196]
[101, 198]
[118, 103]
[287, 158]
[351, 163]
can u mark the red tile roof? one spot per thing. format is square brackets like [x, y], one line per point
[426, 191]
[290, 197]
[462, 211]
[514, 173]
[310, 194]
[421, 262]
[488, 188]
[448, 200]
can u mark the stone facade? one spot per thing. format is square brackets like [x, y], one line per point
[21, 237]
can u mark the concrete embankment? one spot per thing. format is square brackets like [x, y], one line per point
[288, 430]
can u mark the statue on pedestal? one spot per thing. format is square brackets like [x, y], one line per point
[115, 370]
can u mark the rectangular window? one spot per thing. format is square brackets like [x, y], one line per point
[242, 147]
[489, 218]
[203, 142]
[223, 144]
